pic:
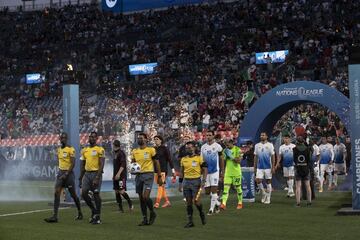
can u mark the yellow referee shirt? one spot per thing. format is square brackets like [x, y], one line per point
[144, 157]
[64, 155]
[192, 166]
[92, 155]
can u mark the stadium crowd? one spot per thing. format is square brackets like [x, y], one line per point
[204, 81]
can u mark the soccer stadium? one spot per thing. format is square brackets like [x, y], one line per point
[179, 119]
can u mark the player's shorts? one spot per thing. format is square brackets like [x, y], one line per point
[191, 187]
[299, 177]
[263, 173]
[163, 178]
[68, 182]
[120, 184]
[212, 180]
[325, 168]
[289, 171]
[232, 180]
[87, 182]
[144, 181]
[340, 167]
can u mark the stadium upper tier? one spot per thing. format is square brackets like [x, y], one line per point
[206, 75]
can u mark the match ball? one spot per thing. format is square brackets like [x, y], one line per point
[135, 168]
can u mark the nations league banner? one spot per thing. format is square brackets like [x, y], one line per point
[266, 111]
[354, 86]
[118, 6]
[248, 184]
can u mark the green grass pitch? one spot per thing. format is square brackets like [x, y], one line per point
[280, 220]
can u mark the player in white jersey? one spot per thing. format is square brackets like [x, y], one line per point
[314, 170]
[287, 158]
[315, 159]
[211, 153]
[326, 162]
[264, 163]
[339, 159]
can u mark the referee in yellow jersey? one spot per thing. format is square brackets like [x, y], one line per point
[92, 166]
[192, 166]
[65, 178]
[146, 157]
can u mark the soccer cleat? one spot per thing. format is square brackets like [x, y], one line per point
[96, 220]
[189, 225]
[239, 206]
[217, 209]
[52, 219]
[143, 223]
[156, 205]
[308, 204]
[202, 217]
[286, 188]
[267, 200]
[152, 218]
[321, 190]
[166, 204]
[291, 194]
[222, 207]
[210, 212]
[297, 205]
[79, 216]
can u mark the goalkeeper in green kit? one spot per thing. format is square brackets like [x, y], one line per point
[232, 155]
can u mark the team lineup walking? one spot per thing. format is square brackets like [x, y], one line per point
[179, 119]
[201, 167]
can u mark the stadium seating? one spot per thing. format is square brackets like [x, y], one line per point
[213, 72]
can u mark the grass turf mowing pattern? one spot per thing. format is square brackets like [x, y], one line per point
[280, 220]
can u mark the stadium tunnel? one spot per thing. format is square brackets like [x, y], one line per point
[267, 110]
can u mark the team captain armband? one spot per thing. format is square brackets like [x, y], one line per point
[204, 164]
[181, 180]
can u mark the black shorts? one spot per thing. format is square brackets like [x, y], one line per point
[144, 181]
[87, 182]
[120, 184]
[191, 187]
[302, 177]
[68, 182]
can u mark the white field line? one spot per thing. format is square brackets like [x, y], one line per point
[28, 212]
[41, 210]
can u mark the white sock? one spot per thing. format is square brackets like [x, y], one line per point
[269, 189]
[321, 181]
[330, 179]
[292, 185]
[261, 187]
[335, 179]
[289, 185]
[318, 178]
[214, 200]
